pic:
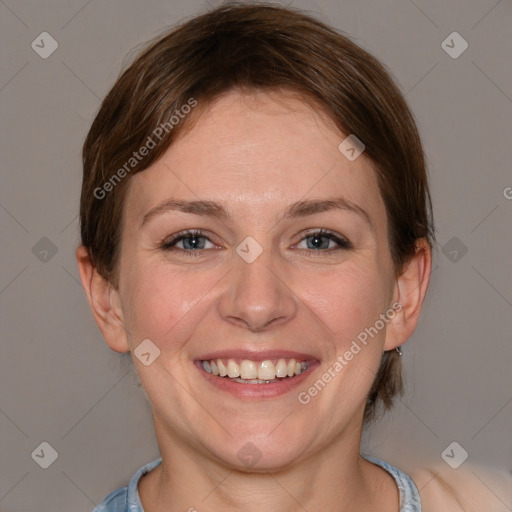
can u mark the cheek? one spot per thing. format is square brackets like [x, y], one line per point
[165, 303]
[346, 300]
[349, 302]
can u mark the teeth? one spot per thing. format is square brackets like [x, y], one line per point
[233, 369]
[254, 381]
[291, 367]
[223, 371]
[255, 372]
[248, 370]
[266, 370]
[281, 368]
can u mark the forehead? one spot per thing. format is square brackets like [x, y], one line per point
[260, 150]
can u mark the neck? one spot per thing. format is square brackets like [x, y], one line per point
[335, 478]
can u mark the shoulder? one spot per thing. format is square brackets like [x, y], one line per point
[127, 499]
[116, 501]
[468, 489]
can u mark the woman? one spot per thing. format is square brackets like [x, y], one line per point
[256, 230]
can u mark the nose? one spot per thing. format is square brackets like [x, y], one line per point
[257, 295]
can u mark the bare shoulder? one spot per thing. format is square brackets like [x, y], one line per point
[466, 489]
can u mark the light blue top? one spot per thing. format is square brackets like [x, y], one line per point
[126, 499]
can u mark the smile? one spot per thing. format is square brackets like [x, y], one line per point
[247, 371]
[256, 374]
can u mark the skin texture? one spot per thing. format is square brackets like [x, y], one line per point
[256, 154]
[469, 488]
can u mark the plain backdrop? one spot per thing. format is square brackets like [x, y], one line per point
[61, 384]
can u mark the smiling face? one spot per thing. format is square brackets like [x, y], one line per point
[260, 166]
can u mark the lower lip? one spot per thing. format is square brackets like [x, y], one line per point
[271, 390]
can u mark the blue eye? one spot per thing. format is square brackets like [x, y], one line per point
[322, 239]
[191, 242]
[194, 241]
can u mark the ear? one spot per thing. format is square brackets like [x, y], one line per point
[104, 301]
[409, 291]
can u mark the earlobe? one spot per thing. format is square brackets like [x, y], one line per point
[410, 290]
[104, 302]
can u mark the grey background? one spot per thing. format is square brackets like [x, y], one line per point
[60, 383]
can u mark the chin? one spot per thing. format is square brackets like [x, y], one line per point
[264, 451]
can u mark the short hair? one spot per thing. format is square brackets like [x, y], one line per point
[256, 47]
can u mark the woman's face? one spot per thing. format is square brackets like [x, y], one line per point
[258, 284]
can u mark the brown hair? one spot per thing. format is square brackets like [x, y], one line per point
[255, 46]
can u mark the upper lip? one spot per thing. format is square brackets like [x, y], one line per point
[256, 355]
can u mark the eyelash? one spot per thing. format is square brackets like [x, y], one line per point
[168, 245]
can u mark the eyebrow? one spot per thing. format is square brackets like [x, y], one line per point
[296, 210]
